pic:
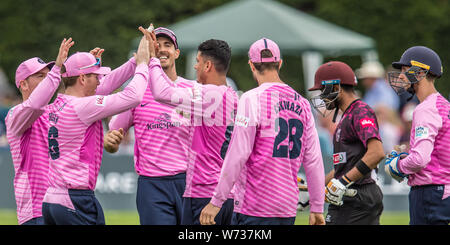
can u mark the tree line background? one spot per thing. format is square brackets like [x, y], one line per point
[36, 28]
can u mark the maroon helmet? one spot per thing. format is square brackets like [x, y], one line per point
[333, 72]
[330, 74]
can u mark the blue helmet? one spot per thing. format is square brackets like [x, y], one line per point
[423, 57]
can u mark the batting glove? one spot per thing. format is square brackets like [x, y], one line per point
[391, 166]
[336, 189]
[303, 196]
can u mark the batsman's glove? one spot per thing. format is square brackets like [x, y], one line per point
[303, 195]
[338, 188]
[391, 166]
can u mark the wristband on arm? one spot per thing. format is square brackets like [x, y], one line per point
[345, 181]
[362, 167]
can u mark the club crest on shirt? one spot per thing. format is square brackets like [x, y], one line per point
[367, 122]
[340, 157]
[421, 132]
[100, 100]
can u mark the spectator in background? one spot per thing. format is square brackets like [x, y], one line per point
[372, 76]
[7, 94]
[391, 128]
[407, 116]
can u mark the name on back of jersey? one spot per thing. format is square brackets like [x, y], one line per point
[288, 105]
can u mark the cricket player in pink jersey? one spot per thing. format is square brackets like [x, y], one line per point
[25, 125]
[274, 133]
[75, 135]
[214, 105]
[427, 165]
[162, 143]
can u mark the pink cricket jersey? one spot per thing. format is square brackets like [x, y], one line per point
[25, 127]
[162, 134]
[213, 109]
[428, 161]
[75, 135]
[274, 134]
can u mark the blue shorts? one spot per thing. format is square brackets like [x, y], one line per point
[35, 221]
[159, 199]
[426, 206]
[88, 210]
[192, 208]
[242, 219]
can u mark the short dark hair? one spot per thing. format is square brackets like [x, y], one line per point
[431, 76]
[68, 81]
[219, 52]
[348, 88]
[261, 67]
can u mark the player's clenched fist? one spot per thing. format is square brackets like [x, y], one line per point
[208, 214]
[112, 140]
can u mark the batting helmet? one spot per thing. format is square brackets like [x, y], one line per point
[333, 72]
[423, 57]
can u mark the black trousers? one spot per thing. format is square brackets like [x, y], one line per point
[363, 209]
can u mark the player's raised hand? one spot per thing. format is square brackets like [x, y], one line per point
[112, 140]
[208, 214]
[150, 35]
[66, 44]
[143, 54]
[97, 52]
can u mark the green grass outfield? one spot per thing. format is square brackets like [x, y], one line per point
[115, 217]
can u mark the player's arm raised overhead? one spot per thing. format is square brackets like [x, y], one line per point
[161, 88]
[94, 108]
[21, 117]
[116, 77]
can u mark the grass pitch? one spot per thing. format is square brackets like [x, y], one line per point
[120, 217]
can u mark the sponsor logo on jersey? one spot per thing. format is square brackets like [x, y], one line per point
[100, 100]
[162, 122]
[367, 122]
[421, 132]
[241, 121]
[340, 157]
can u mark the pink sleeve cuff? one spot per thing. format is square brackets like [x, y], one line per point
[216, 202]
